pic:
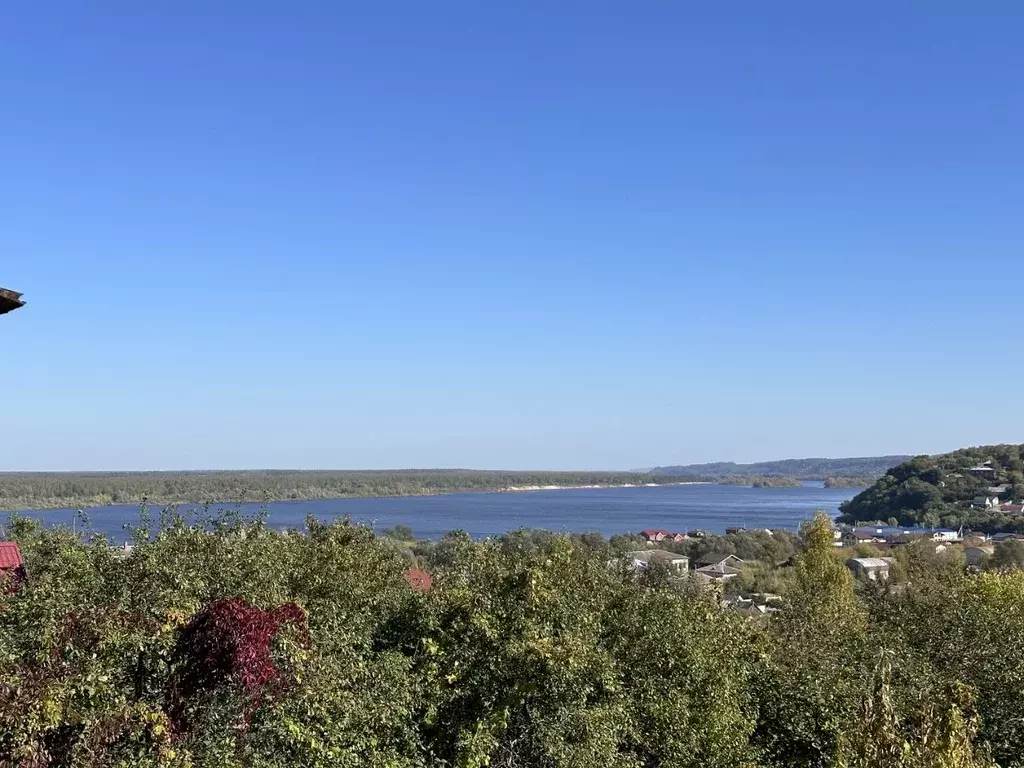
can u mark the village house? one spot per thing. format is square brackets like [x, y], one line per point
[717, 558]
[976, 555]
[757, 604]
[870, 535]
[896, 536]
[715, 574]
[871, 568]
[716, 568]
[12, 565]
[654, 535]
[642, 559]
[985, 502]
[1012, 509]
[997, 537]
[984, 469]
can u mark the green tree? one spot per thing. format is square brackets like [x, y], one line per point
[936, 731]
[1008, 555]
[400, 532]
[810, 684]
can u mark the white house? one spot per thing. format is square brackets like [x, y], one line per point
[642, 559]
[871, 568]
[975, 555]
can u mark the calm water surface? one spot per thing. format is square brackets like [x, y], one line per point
[607, 510]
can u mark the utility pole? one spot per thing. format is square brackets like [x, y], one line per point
[9, 301]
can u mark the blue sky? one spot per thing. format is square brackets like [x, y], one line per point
[522, 235]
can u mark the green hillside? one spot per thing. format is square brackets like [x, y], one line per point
[947, 490]
[801, 469]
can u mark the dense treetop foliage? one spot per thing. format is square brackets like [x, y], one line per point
[232, 644]
[941, 490]
[48, 490]
[799, 469]
[849, 482]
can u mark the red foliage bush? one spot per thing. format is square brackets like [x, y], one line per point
[13, 580]
[228, 641]
[418, 579]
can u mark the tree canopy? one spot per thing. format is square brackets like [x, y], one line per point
[238, 645]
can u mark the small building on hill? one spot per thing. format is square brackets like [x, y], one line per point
[895, 535]
[997, 537]
[717, 558]
[985, 469]
[12, 565]
[716, 573]
[976, 555]
[654, 535]
[642, 559]
[870, 568]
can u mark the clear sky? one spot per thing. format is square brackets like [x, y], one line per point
[508, 234]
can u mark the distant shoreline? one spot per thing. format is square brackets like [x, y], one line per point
[51, 505]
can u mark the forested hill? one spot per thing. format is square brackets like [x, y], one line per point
[950, 489]
[801, 469]
[50, 490]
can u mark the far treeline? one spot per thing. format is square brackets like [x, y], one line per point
[761, 481]
[233, 644]
[57, 490]
[981, 488]
[855, 472]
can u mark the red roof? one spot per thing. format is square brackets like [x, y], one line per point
[649, 532]
[10, 556]
[1012, 508]
[419, 579]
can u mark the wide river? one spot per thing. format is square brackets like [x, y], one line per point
[607, 510]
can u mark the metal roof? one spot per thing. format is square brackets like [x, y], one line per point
[10, 555]
[873, 562]
[713, 558]
[9, 301]
[647, 555]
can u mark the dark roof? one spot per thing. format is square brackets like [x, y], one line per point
[871, 562]
[890, 532]
[9, 301]
[714, 558]
[10, 555]
[718, 570]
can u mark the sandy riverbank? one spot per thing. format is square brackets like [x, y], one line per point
[520, 488]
